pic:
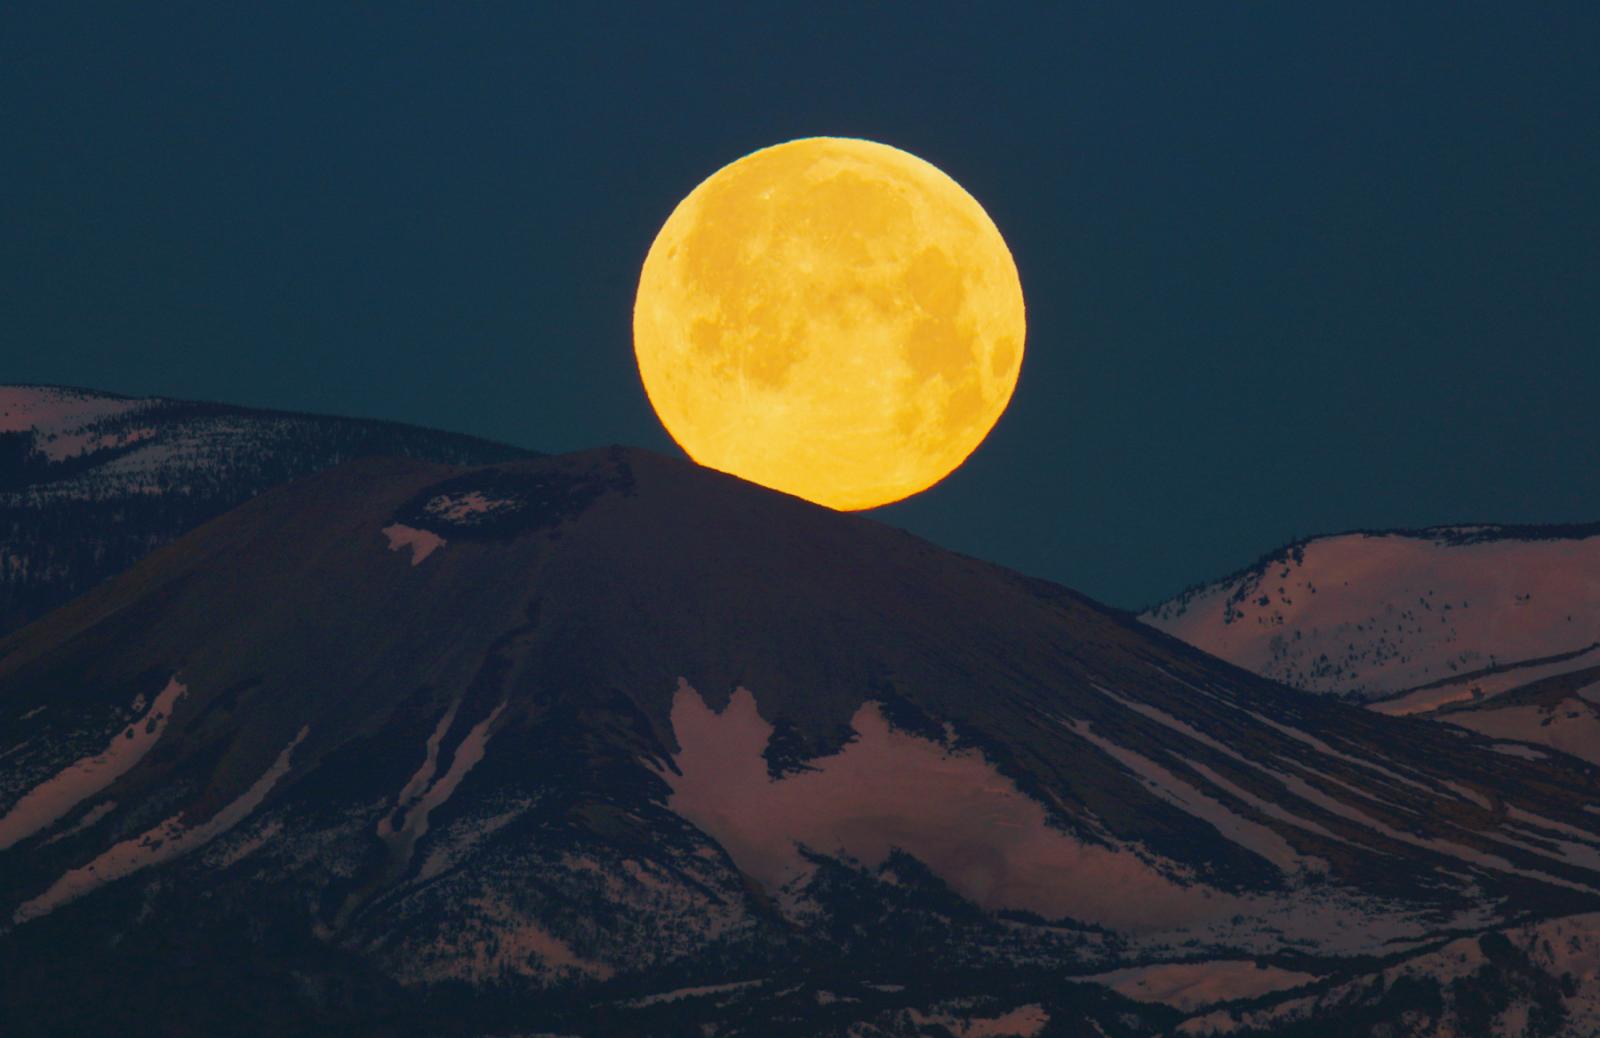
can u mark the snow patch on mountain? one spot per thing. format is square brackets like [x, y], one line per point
[54, 798]
[62, 420]
[1572, 726]
[90, 819]
[1316, 790]
[1372, 821]
[403, 827]
[1193, 985]
[228, 855]
[1252, 836]
[699, 991]
[1022, 1022]
[166, 841]
[1323, 748]
[1553, 968]
[1516, 749]
[421, 542]
[889, 789]
[950, 809]
[470, 507]
[1477, 687]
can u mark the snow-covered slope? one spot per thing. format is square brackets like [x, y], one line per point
[1541, 980]
[1445, 615]
[1561, 712]
[91, 482]
[615, 744]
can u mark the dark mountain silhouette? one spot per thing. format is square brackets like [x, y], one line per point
[608, 743]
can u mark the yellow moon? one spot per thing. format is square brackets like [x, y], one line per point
[833, 318]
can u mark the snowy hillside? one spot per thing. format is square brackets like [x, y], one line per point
[91, 482]
[1561, 711]
[1542, 979]
[1447, 614]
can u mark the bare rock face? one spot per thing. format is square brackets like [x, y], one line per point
[611, 744]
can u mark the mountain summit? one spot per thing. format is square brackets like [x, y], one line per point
[611, 743]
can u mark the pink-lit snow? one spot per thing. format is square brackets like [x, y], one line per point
[1571, 726]
[1192, 985]
[1482, 686]
[55, 797]
[1393, 612]
[693, 992]
[1021, 1022]
[1253, 836]
[166, 841]
[59, 418]
[1566, 949]
[426, 790]
[421, 542]
[459, 507]
[889, 789]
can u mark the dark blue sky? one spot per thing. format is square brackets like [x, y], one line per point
[1290, 268]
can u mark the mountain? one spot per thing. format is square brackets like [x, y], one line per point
[607, 743]
[91, 482]
[1491, 628]
[1449, 613]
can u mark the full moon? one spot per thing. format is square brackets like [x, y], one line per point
[833, 318]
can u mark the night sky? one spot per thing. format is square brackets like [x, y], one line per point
[1290, 268]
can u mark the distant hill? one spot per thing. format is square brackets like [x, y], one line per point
[1375, 615]
[91, 482]
[1491, 628]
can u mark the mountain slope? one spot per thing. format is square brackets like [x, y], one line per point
[615, 744]
[1561, 711]
[91, 482]
[1448, 613]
